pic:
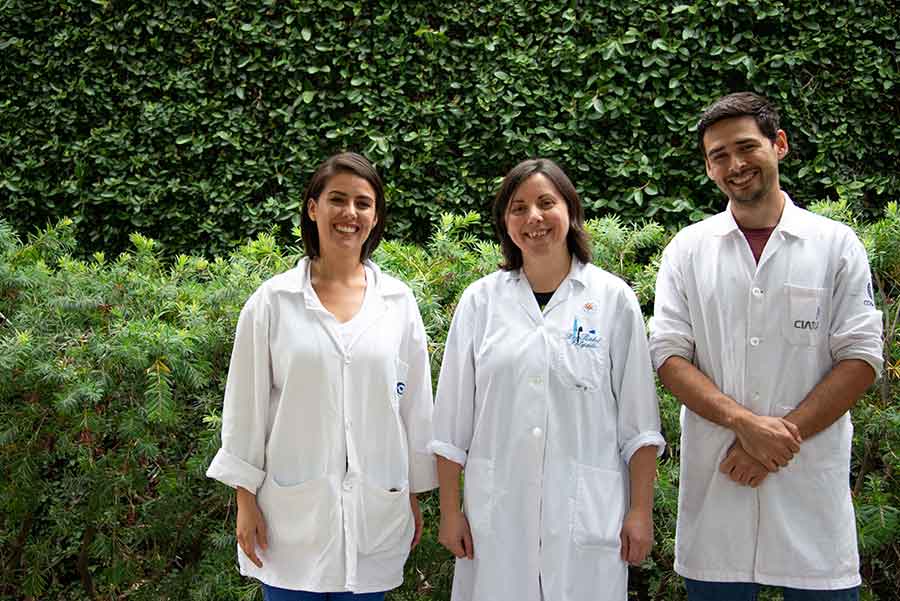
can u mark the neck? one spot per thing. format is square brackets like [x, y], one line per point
[545, 274]
[344, 268]
[765, 213]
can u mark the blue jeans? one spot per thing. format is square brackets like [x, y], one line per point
[699, 590]
[272, 593]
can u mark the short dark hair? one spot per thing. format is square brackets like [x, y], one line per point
[740, 104]
[344, 162]
[577, 239]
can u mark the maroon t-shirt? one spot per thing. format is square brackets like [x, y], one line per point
[757, 239]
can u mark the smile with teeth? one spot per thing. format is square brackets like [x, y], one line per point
[346, 229]
[536, 235]
[743, 178]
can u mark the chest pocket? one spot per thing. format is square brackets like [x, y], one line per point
[806, 320]
[582, 365]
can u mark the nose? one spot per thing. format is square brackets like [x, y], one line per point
[534, 213]
[736, 164]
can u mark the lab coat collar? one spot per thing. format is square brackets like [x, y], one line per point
[577, 273]
[792, 221]
[298, 281]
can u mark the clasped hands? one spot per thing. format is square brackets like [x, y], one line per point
[762, 445]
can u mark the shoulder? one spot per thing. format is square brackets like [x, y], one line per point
[693, 234]
[286, 282]
[599, 281]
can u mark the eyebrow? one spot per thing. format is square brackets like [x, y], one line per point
[343, 194]
[541, 197]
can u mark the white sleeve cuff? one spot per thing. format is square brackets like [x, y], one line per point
[875, 362]
[644, 439]
[422, 472]
[676, 346]
[234, 471]
[448, 451]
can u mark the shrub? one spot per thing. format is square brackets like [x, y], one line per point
[111, 378]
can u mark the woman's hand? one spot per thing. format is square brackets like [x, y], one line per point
[251, 526]
[455, 534]
[417, 519]
[636, 536]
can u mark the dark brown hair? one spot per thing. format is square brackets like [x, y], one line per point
[740, 104]
[345, 162]
[576, 239]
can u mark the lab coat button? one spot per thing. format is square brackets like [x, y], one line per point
[535, 380]
[537, 432]
[348, 486]
[754, 341]
[347, 359]
[755, 396]
[756, 292]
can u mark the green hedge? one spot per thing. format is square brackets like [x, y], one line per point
[197, 122]
[112, 374]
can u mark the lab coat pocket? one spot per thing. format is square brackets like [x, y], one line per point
[599, 507]
[304, 514]
[386, 521]
[399, 385]
[582, 367]
[805, 320]
[478, 488]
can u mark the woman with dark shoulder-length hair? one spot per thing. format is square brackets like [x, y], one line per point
[328, 404]
[547, 399]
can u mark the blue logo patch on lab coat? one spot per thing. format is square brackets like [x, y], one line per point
[583, 336]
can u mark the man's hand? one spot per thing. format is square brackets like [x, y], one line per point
[742, 468]
[417, 519]
[770, 440]
[251, 526]
[636, 536]
[455, 534]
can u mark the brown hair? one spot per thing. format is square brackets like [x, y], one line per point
[740, 104]
[345, 162]
[576, 239]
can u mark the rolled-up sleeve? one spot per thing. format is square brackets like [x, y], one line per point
[241, 459]
[454, 409]
[417, 404]
[671, 333]
[856, 325]
[633, 383]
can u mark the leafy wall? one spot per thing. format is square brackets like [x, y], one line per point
[197, 122]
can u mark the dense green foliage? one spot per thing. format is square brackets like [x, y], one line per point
[111, 378]
[197, 123]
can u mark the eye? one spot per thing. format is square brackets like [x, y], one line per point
[517, 209]
[548, 203]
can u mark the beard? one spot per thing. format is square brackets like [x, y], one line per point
[752, 196]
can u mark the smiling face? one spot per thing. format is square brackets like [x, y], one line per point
[743, 162]
[537, 219]
[344, 214]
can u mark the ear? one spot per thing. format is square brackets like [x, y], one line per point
[781, 144]
[311, 208]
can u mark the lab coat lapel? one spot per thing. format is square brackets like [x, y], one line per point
[525, 297]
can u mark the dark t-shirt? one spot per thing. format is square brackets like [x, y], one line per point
[543, 298]
[757, 239]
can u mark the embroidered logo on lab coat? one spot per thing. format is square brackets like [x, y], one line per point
[582, 335]
[401, 388]
[870, 296]
[589, 307]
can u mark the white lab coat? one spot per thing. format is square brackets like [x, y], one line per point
[331, 440]
[545, 411]
[766, 335]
